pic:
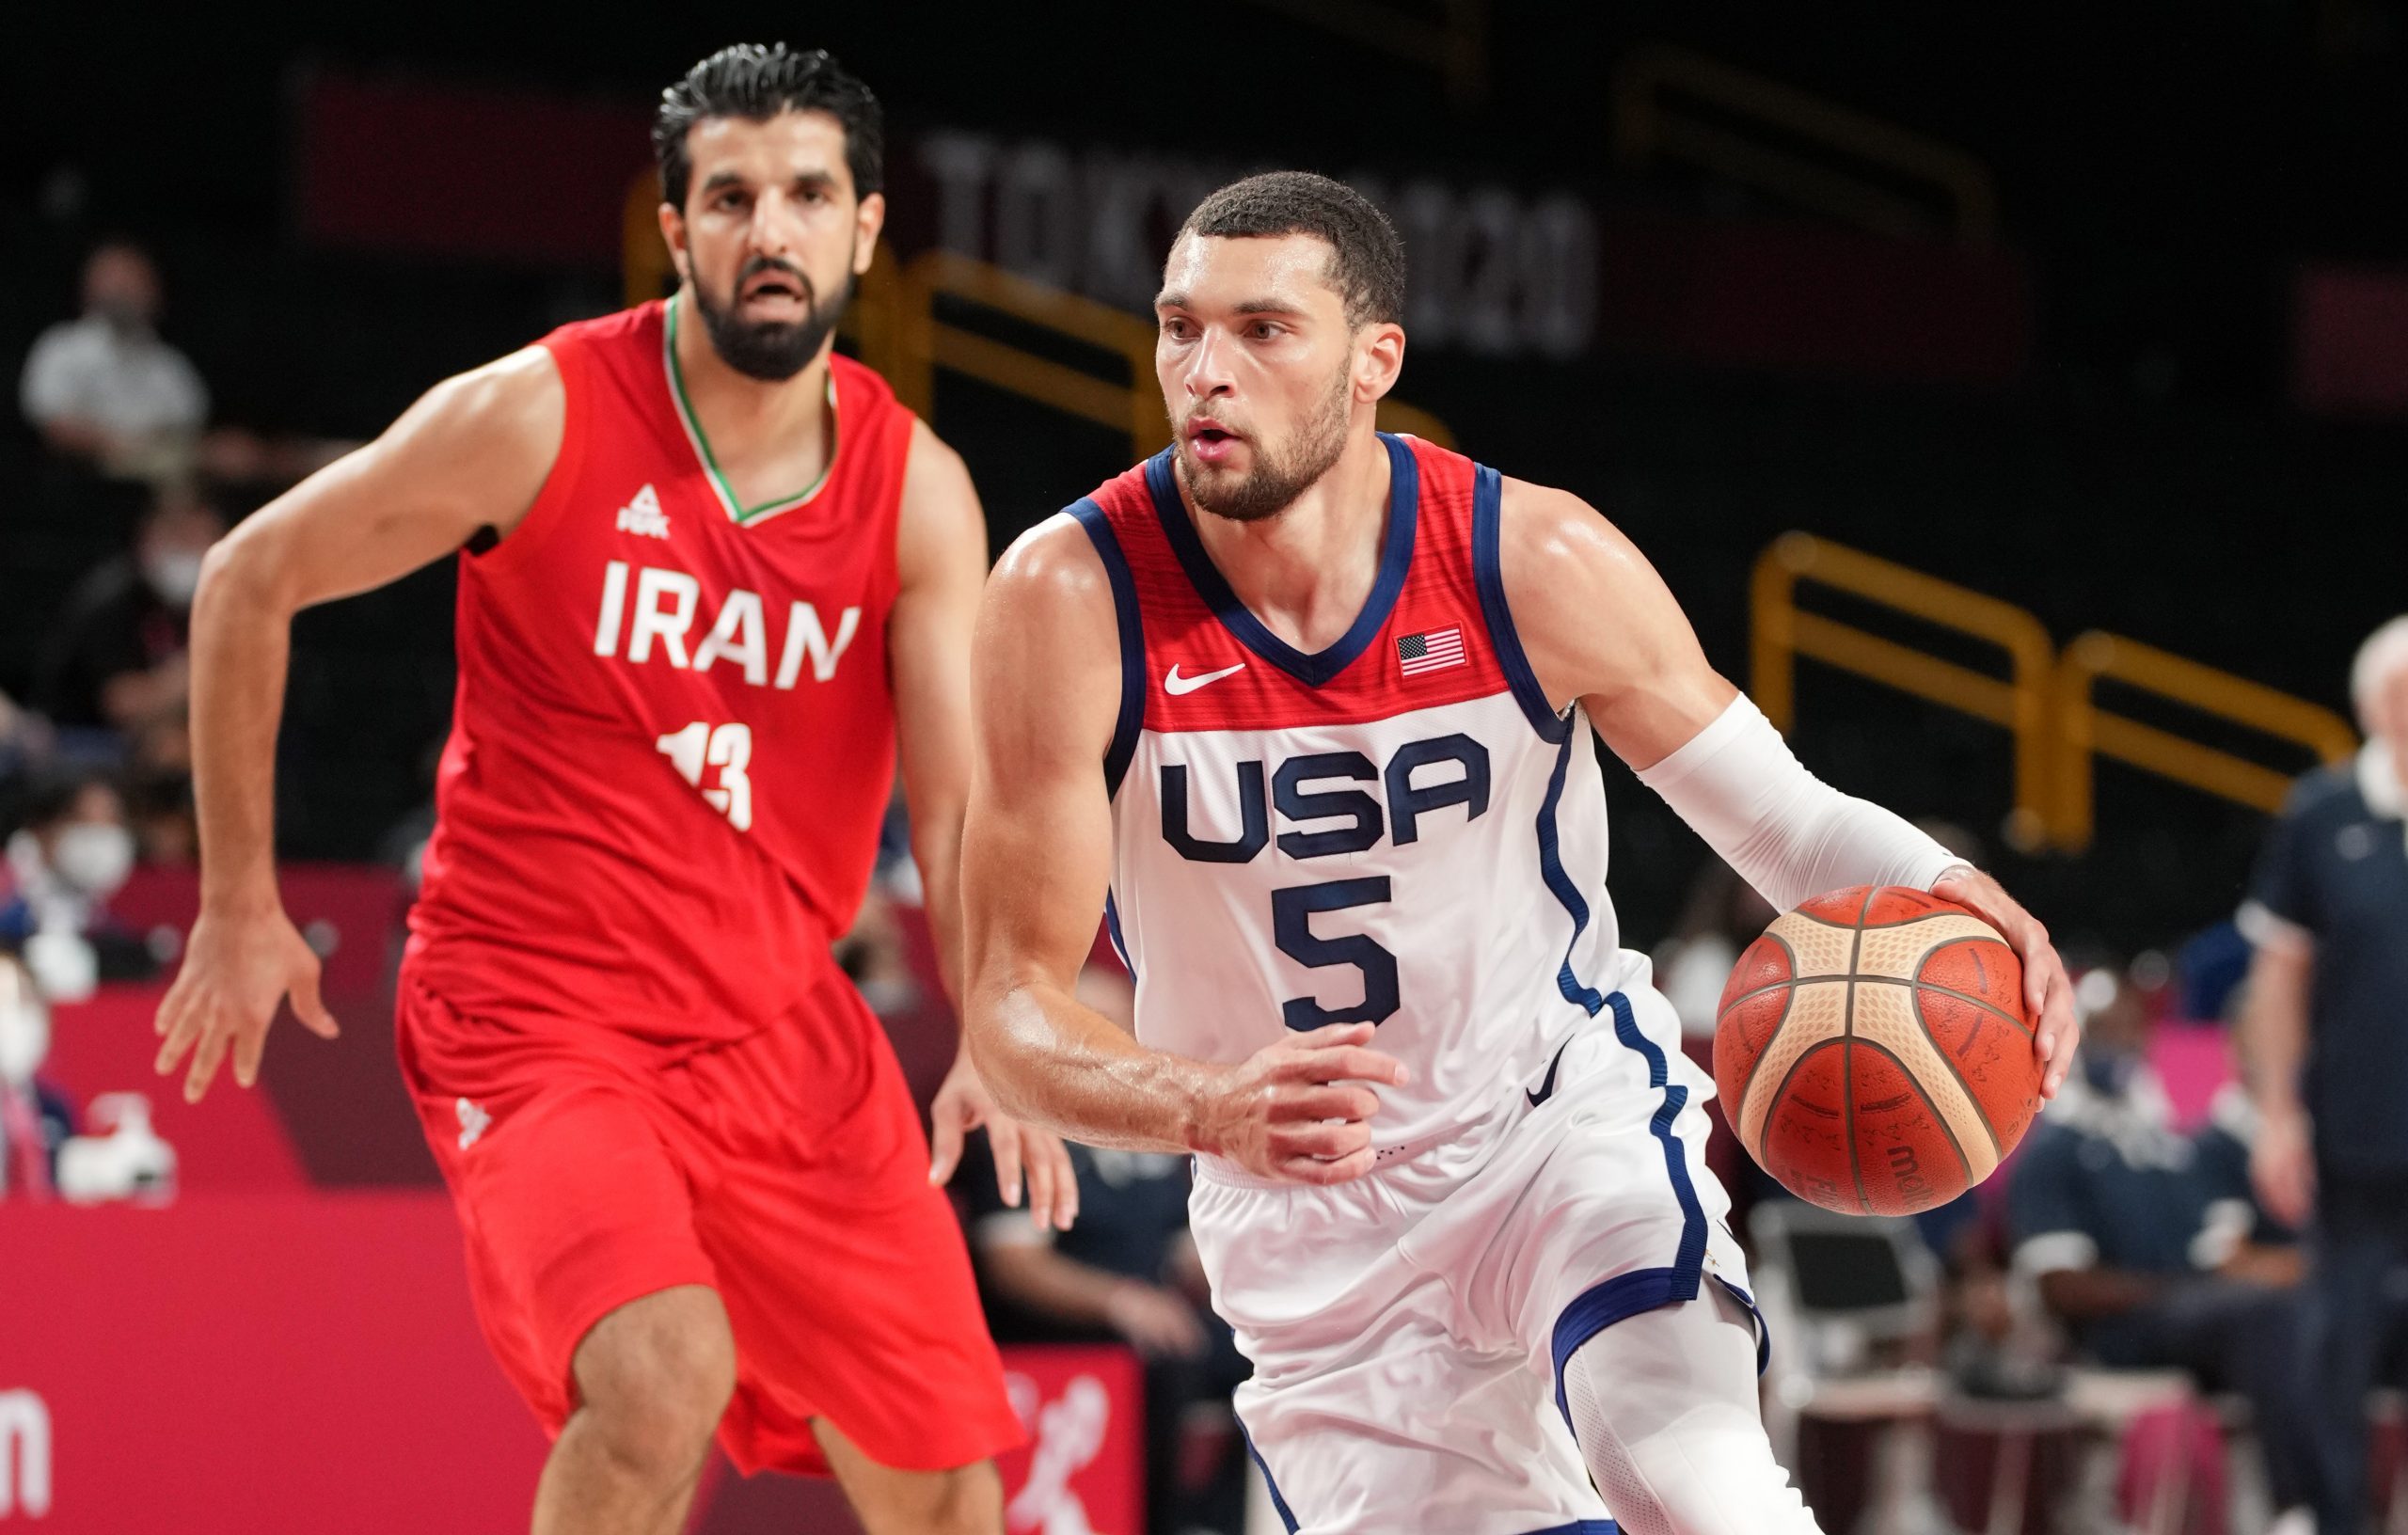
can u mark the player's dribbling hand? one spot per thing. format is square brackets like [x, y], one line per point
[235, 971]
[1021, 1150]
[1300, 1111]
[2048, 992]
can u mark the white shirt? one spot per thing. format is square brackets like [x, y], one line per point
[130, 385]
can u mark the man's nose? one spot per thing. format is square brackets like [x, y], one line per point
[1208, 372]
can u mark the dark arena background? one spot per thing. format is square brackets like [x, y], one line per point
[2015, 396]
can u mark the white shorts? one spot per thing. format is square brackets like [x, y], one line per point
[1407, 1328]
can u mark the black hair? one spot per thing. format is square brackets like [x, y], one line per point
[1366, 266]
[747, 80]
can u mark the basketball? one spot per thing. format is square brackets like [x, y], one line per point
[1873, 1050]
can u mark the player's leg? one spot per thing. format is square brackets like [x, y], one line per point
[962, 1500]
[862, 1349]
[653, 1378]
[1664, 1407]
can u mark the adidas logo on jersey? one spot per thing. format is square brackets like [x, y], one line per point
[642, 515]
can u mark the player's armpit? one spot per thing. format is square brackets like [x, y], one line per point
[472, 453]
[1037, 849]
[1639, 669]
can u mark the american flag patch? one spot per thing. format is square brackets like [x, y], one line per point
[1429, 650]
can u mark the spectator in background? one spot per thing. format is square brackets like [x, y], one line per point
[2144, 1241]
[2326, 1042]
[36, 1119]
[115, 656]
[104, 389]
[73, 852]
[1127, 1272]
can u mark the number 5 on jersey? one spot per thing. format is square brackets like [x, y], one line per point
[728, 748]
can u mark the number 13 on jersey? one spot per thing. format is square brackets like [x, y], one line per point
[728, 749]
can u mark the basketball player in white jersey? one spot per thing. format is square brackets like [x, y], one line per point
[1310, 711]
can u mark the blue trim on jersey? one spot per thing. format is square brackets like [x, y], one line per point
[1112, 925]
[1643, 1290]
[1133, 640]
[1287, 1516]
[1582, 1527]
[1488, 574]
[1396, 558]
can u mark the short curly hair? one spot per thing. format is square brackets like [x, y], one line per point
[756, 83]
[1367, 263]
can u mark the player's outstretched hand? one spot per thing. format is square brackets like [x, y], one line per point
[235, 971]
[1021, 1150]
[2046, 991]
[1300, 1111]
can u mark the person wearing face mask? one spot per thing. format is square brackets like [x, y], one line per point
[115, 658]
[2143, 1241]
[73, 852]
[104, 389]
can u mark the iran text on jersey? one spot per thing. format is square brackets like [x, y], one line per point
[1398, 828]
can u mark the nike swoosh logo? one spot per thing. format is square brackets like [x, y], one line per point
[1176, 685]
[1547, 1087]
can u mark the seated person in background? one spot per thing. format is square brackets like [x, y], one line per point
[1126, 1272]
[104, 389]
[115, 656]
[2145, 1242]
[73, 851]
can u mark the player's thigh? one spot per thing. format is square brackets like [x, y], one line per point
[958, 1500]
[849, 1287]
[1413, 1431]
[573, 1205]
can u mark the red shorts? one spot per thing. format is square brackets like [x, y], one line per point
[785, 1170]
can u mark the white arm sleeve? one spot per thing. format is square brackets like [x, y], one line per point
[1787, 833]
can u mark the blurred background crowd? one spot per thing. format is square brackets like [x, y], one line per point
[2074, 343]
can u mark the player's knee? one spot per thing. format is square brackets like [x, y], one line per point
[654, 1379]
[968, 1500]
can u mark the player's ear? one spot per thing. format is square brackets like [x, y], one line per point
[1379, 357]
[868, 219]
[673, 235]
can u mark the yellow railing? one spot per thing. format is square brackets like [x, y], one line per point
[2045, 701]
[2022, 702]
[1651, 84]
[2085, 731]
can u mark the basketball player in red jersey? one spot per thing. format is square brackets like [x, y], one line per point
[714, 576]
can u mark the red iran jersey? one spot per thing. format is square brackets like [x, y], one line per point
[674, 739]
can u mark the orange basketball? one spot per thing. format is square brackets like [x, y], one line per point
[1874, 1054]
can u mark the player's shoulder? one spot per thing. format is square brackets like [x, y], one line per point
[1545, 534]
[1053, 564]
[522, 395]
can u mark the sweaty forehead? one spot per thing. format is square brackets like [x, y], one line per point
[790, 144]
[1207, 271]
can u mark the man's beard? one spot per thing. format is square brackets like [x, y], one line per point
[1278, 479]
[771, 351]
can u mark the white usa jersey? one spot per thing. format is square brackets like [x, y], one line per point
[1396, 830]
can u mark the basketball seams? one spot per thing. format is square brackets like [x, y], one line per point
[1788, 1005]
[1967, 997]
[1915, 1084]
[1847, 1062]
[1912, 1025]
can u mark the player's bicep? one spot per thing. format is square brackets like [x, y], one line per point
[1599, 625]
[472, 453]
[1037, 850]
